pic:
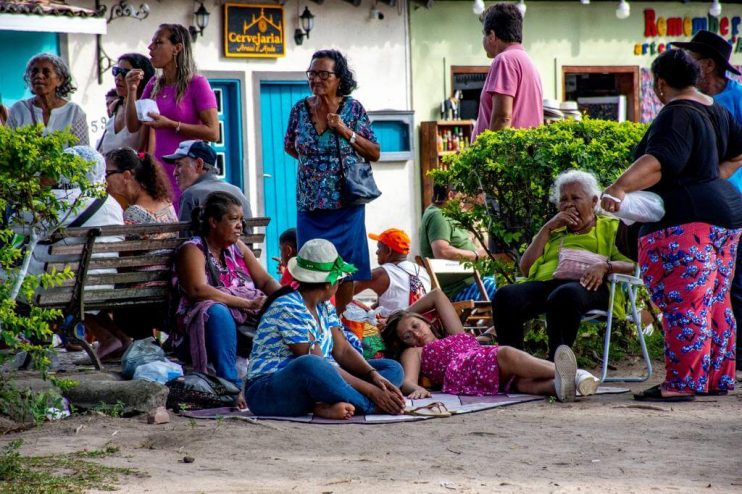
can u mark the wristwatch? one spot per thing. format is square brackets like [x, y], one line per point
[353, 138]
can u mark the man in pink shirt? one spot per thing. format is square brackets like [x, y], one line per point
[512, 94]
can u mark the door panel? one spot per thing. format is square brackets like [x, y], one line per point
[229, 149]
[279, 169]
[16, 49]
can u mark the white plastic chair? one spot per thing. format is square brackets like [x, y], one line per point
[630, 284]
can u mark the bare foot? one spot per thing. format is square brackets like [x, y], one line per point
[240, 402]
[337, 411]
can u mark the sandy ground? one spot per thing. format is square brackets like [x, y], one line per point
[607, 444]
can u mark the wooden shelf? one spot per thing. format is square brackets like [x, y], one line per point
[430, 157]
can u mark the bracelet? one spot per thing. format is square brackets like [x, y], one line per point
[610, 267]
[177, 129]
[353, 138]
[368, 374]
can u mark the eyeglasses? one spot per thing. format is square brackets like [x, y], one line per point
[113, 172]
[322, 74]
[119, 71]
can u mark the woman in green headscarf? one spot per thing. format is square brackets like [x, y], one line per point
[301, 360]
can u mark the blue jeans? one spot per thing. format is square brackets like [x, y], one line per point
[310, 379]
[221, 343]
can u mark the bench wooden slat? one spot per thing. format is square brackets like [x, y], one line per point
[120, 246]
[137, 245]
[162, 275]
[57, 296]
[115, 230]
[112, 262]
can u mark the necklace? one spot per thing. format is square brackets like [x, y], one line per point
[587, 228]
[217, 257]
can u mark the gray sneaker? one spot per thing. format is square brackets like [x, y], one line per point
[566, 372]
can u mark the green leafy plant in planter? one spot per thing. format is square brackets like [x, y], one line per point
[516, 168]
[30, 164]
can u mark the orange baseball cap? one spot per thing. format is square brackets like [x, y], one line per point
[394, 238]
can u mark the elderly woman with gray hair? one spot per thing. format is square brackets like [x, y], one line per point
[49, 79]
[555, 287]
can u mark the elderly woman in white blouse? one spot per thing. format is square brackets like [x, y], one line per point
[49, 79]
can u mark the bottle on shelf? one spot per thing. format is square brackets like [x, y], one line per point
[449, 141]
[462, 145]
[456, 139]
[439, 141]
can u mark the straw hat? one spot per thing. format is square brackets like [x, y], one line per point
[318, 262]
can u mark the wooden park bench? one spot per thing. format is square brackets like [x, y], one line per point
[139, 277]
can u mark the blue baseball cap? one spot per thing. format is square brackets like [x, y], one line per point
[193, 149]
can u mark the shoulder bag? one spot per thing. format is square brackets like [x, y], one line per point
[357, 179]
[574, 262]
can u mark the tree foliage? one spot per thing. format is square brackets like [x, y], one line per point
[30, 163]
[516, 169]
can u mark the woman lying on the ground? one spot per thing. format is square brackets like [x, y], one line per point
[301, 361]
[454, 359]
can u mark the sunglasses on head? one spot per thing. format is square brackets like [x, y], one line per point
[120, 71]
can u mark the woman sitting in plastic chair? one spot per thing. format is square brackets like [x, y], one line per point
[576, 236]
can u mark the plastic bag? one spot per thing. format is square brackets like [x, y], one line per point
[159, 371]
[641, 206]
[139, 353]
[357, 313]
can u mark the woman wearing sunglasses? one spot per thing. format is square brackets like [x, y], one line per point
[117, 135]
[326, 130]
[187, 106]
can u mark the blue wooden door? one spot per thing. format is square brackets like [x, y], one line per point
[229, 150]
[279, 169]
[16, 49]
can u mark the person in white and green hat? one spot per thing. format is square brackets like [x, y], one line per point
[301, 361]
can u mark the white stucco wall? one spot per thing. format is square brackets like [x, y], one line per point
[377, 51]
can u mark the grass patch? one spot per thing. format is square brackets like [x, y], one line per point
[115, 411]
[58, 474]
[25, 405]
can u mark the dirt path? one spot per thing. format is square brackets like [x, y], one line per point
[603, 444]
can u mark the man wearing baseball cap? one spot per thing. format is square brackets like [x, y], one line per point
[397, 281]
[196, 175]
[712, 53]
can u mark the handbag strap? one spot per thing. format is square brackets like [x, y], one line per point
[88, 213]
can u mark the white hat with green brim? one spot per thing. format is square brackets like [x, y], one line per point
[318, 262]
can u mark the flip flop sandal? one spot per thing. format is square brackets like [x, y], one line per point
[655, 394]
[435, 409]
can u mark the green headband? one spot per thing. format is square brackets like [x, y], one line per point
[333, 269]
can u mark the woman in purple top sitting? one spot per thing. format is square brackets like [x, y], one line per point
[186, 102]
[221, 284]
[454, 359]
